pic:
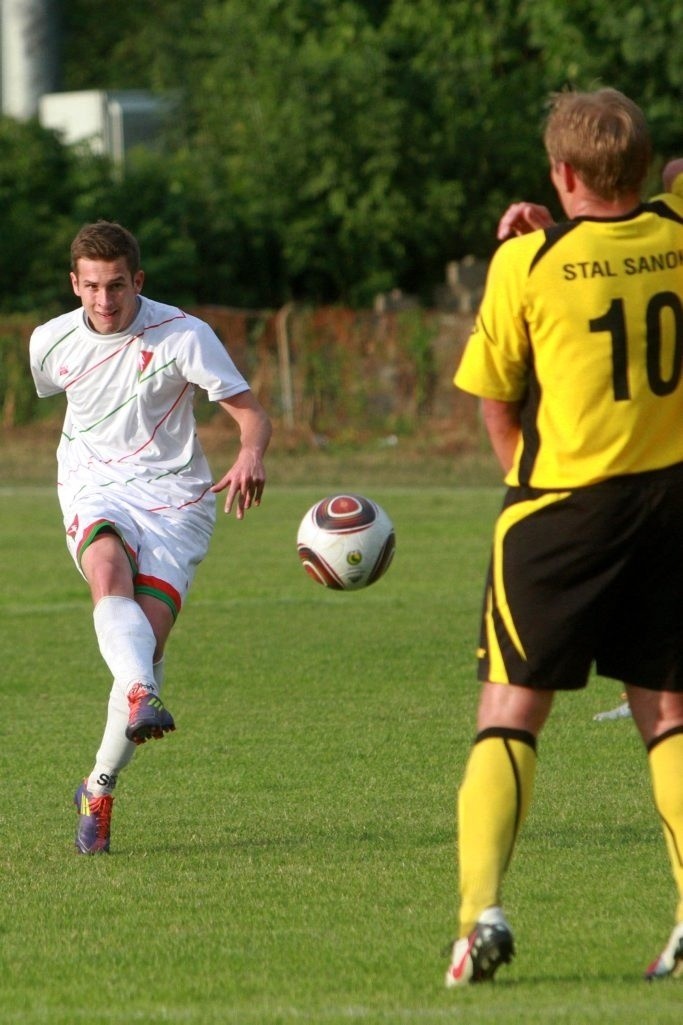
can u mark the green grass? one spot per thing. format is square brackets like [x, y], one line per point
[287, 856]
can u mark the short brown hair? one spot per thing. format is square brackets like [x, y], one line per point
[105, 240]
[604, 136]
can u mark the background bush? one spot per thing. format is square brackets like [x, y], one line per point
[321, 150]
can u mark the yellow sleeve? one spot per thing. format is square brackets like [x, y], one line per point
[495, 363]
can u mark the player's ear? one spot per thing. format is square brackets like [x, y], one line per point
[74, 283]
[563, 175]
[139, 280]
[569, 176]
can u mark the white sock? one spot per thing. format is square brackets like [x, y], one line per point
[116, 750]
[126, 641]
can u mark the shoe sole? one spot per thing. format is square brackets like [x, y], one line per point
[88, 851]
[149, 729]
[143, 732]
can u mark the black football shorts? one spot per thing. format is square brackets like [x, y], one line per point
[592, 576]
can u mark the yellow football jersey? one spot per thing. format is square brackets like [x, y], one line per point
[583, 323]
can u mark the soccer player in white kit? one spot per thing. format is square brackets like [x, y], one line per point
[135, 488]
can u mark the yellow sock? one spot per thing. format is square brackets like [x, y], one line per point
[492, 803]
[666, 769]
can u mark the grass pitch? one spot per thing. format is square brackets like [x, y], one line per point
[287, 856]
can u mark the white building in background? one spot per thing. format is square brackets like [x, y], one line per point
[110, 122]
[29, 54]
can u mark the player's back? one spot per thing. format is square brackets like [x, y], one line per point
[593, 312]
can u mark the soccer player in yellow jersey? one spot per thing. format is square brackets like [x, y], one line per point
[520, 218]
[577, 355]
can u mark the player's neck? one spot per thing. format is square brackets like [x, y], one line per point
[587, 204]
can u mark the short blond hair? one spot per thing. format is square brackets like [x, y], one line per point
[604, 136]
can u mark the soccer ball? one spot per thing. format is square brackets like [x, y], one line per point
[346, 542]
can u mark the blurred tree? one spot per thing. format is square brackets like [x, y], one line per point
[322, 149]
[301, 140]
[47, 191]
[637, 48]
[471, 97]
[147, 47]
[35, 200]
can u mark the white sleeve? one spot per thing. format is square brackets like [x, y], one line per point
[204, 361]
[40, 367]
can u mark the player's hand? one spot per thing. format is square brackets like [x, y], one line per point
[521, 218]
[244, 483]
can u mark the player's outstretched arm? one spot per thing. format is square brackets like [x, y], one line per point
[245, 480]
[521, 218]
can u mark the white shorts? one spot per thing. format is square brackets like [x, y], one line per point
[164, 547]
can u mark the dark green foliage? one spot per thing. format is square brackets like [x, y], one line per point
[318, 149]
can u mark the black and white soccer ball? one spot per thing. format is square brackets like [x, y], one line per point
[346, 542]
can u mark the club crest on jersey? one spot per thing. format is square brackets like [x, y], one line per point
[143, 361]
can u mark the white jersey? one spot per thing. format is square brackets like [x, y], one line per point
[130, 419]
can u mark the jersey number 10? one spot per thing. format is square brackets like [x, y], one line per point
[614, 321]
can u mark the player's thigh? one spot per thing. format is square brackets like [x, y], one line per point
[107, 526]
[106, 566]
